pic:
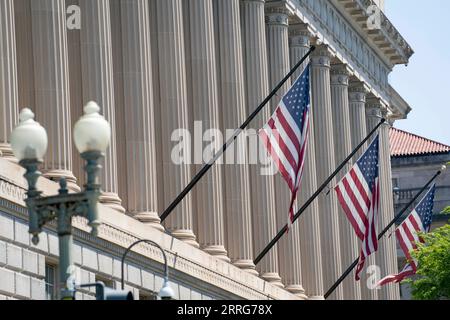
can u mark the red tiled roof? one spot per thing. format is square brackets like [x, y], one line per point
[407, 144]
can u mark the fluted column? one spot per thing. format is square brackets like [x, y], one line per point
[358, 125]
[326, 164]
[174, 114]
[51, 78]
[203, 78]
[9, 100]
[357, 110]
[392, 291]
[308, 232]
[374, 115]
[279, 65]
[98, 85]
[139, 114]
[343, 147]
[385, 255]
[257, 81]
[237, 201]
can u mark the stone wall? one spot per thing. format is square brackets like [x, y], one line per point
[22, 267]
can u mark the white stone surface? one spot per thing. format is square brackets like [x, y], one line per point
[37, 289]
[41, 265]
[90, 259]
[105, 264]
[14, 257]
[7, 283]
[53, 245]
[134, 275]
[42, 246]
[148, 280]
[6, 227]
[185, 293]
[2, 253]
[21, 234]
[23, 285]
[30, 262]
[76, 254]
[117, 269]
[9, 100]
[196, 295]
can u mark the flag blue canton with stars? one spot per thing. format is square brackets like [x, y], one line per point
[297, 99]
[425, 208]
[368, 163]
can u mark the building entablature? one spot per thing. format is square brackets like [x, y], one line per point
[386, 38]
[369, 60]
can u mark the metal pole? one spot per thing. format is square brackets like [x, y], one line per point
[382, 233]
[315, 195]
[166, 267]
[66, 267]
[65, 238]
[230, 141]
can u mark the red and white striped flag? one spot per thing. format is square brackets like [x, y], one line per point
[419, 220]
[359, 195]
[285, 135]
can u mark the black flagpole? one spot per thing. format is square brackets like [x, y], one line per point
[219, 153]
[315, 195]
[396, 218]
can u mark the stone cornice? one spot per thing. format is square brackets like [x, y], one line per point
[331, 25]
[400, 108]
[387, 38]
[121, 230]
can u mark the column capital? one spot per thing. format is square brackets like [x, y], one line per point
[340, 74]
[321, 57]
[300, 35]
[277, 15]
[357, 92]
[374, 107]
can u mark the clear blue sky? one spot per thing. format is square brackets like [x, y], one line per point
[425, 83]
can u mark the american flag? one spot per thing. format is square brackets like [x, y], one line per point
[359, 195]
[285, 135]
[419, 220]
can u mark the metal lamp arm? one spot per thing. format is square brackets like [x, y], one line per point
[166, 267]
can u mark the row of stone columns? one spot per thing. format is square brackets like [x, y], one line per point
[9, 101]
[217, 61]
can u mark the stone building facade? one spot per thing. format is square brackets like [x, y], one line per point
[155, 66]
[414, 161]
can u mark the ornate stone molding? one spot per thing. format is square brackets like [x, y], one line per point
[340, 74]
[357, 91]
[322, 57]
[374, 108]
[332, 27]
[387, 38]
[277, 15]
[119, 231]
[299, 35]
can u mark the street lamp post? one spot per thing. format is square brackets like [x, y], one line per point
[29, 143]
